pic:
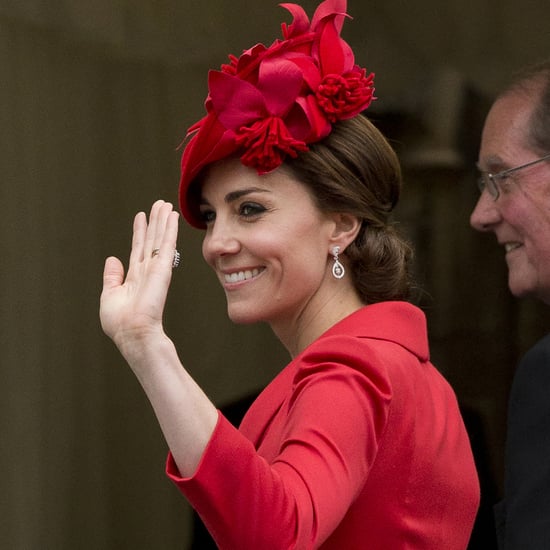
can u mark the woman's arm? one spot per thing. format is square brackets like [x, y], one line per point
[131, 312]
[312, 458]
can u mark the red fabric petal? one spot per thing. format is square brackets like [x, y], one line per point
[318, 125]
[300, 23]
[331, 54]
[335, 54]
[249, 60]
[236, 101]
[330, 8]
[280, 82]
[309, 69]
[210, 143]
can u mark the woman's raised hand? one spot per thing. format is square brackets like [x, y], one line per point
[131, 307]
[131, 314]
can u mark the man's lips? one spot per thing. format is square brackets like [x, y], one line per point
[508, 247]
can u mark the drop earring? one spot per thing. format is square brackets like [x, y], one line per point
[337, 268]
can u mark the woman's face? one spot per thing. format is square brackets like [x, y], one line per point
[267, 242]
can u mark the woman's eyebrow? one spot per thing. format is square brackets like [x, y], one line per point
[235, 195]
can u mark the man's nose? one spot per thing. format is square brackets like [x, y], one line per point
[485, 213]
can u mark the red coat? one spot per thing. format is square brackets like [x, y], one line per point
[357, 444]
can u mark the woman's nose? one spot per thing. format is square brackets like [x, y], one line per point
[219, 240]
[485, 213]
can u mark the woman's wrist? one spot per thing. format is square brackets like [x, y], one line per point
[143, 350]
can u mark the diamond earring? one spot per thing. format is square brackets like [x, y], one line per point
[337, 268]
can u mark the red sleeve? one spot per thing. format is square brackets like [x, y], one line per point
[328, 441]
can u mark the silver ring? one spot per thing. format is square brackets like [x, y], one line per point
[176, 260]
[155, 252]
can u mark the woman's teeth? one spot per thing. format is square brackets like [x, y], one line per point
[241, 275]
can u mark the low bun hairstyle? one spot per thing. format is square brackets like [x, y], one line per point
[355, 170]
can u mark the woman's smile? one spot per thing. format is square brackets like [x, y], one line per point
[240, 276]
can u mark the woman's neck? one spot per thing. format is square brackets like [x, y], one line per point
[298, 333]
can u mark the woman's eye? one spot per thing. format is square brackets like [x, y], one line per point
[249, 209]
[208, 216]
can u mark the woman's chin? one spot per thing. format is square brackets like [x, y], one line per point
[243, 317]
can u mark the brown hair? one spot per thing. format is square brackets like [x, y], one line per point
[356, 171]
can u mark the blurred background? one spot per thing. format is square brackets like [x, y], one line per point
[95, 98]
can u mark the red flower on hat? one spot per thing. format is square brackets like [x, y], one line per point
[271, 102]
[343, 89]
[342, 96]
[266, 143]
[263, 115]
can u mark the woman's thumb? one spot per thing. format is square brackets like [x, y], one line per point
[113, 273]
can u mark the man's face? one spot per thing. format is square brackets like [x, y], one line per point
[520, 217]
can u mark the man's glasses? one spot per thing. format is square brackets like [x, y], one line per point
[491, 181]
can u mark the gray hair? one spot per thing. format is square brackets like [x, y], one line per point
[534, 81]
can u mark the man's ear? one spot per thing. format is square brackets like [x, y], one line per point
[346, 228]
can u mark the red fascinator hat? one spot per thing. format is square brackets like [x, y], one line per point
[273, 101]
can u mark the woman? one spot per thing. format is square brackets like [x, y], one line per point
[358, 442]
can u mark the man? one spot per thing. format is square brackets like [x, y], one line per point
[514, 161]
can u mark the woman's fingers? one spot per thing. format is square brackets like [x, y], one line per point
[138, 239]
[155, 236]
[159, 234]
[113, 273]
[167, 240]
[132, 304]
[159, 228]
[113, 277]
[162, 233]
[157, 224]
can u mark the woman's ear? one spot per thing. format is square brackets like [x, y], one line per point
[346, 228]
